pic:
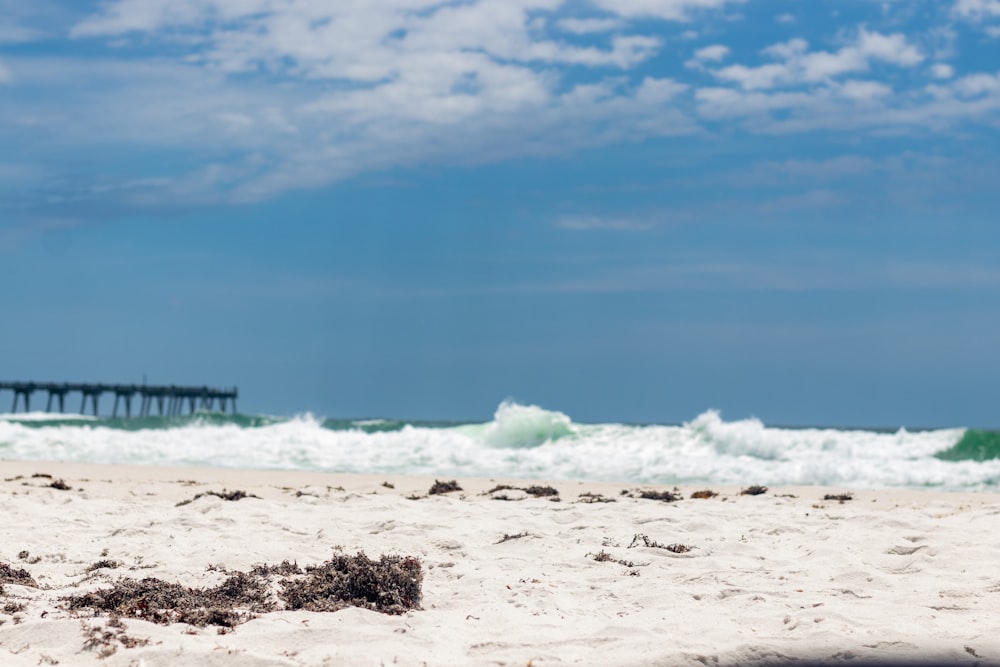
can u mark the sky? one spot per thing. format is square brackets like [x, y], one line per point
[626, 210]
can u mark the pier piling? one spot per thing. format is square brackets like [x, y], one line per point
[175, 397]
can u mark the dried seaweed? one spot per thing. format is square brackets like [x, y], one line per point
[391, 585]
[753, 490]
[604, 557]
[225, 495]
[444, 487]
[507, 537]
[703, 495]
[283, 568]
[646, 542]
[541, 491]
[60, 485]
[104, 640]
[589, 498]
[535, 491]
[499, 487]
[38, 475]
[841, 497]
[101, 564]
[19, 576]
[647, 494]
[151, 599]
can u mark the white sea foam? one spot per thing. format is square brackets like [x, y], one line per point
[530, 442]
[44, 416]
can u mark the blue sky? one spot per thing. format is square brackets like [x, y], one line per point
[627, 210]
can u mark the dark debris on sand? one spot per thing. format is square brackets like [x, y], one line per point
[646, 494]
[104, 564]
[753, 490]
[604, 557]
[444, 487]
[640, 539]
[15, 575]
[589, 498]
[105, 641]
[704, 495]
[534, 491]
[839, 497]
[391, 585]
[151, 599]
[225, 495]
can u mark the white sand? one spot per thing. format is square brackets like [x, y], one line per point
[771, 578]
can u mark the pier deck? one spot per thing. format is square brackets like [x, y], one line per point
[169, 399]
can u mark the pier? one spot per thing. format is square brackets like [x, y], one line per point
[169, 400]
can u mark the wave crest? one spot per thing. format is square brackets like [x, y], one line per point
[516, 426]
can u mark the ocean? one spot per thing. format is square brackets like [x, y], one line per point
[524, 441]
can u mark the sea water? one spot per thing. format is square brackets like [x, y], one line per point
[524, 441]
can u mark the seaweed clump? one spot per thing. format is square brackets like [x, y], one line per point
[535, 491]
[391, 585]
[102, 564]
[646, 542]
[604, 557]
[590, 498]
[753, 490]
[647, 494]
[12, 575]
[444, 487]
[225, 495]
[839, 497]
[230, 603]
[704, 495]
[105, 641]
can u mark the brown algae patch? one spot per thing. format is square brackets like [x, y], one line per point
[444, 487]
[390, 585]
[231, 496]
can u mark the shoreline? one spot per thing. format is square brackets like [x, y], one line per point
[509, 578]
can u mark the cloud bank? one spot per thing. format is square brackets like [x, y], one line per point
[242, 100]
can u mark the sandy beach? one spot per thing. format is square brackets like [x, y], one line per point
[516, 576]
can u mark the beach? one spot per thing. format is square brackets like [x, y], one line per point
[510, 573]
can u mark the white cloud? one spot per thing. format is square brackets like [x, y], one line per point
[942, 71]
[803, 66]
[670, 10]
[754, 78]
[367, 41]
[977, 9]
[864, 90]
[721, 103]
[588, 26]
[713, 53]
[993, 31]
[976, 85]
[406, 81]
[6, 76]
[301, 93]
[787, 17]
